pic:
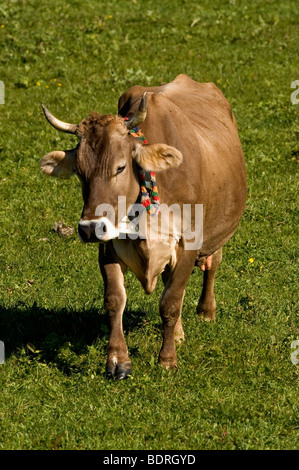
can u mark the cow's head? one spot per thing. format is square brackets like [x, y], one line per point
[105, 162]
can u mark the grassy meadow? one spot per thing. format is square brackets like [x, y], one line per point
[235, 386]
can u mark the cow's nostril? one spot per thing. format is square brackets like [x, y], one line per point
[97, 230]
[101, 230]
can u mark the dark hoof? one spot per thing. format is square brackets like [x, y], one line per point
[119, 372]
[110, 372]
[122, 373]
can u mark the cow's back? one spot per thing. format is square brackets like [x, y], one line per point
[197, 119]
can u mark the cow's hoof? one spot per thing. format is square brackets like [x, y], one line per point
[119, 372]
[206, 315]
[206, 310]
[167, 363]
[123, 373]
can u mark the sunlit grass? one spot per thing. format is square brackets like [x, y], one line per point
[235, 386]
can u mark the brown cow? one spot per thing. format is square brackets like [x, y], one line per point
[197, 156]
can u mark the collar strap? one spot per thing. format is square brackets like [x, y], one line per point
[149, 196]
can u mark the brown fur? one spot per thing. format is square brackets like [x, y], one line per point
[195, 148]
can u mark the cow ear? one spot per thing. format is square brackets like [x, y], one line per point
[60, 164]
[157, 157]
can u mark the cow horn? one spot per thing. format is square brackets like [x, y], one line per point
[60, 125]
[140, 116]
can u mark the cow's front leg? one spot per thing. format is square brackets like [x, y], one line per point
[118, 361]
[171, 305]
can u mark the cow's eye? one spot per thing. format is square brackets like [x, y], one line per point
[120, 169]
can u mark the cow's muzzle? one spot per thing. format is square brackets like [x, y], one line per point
[98, 230]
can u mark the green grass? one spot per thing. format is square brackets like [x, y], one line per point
[235, 386]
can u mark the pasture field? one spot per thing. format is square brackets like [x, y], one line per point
[236, 386]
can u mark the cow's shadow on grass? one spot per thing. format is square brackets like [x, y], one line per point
[58, 336]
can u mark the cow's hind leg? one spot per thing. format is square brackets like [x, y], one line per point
[179, 334]
[118, 362]
[207, 305]
[170, 307]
